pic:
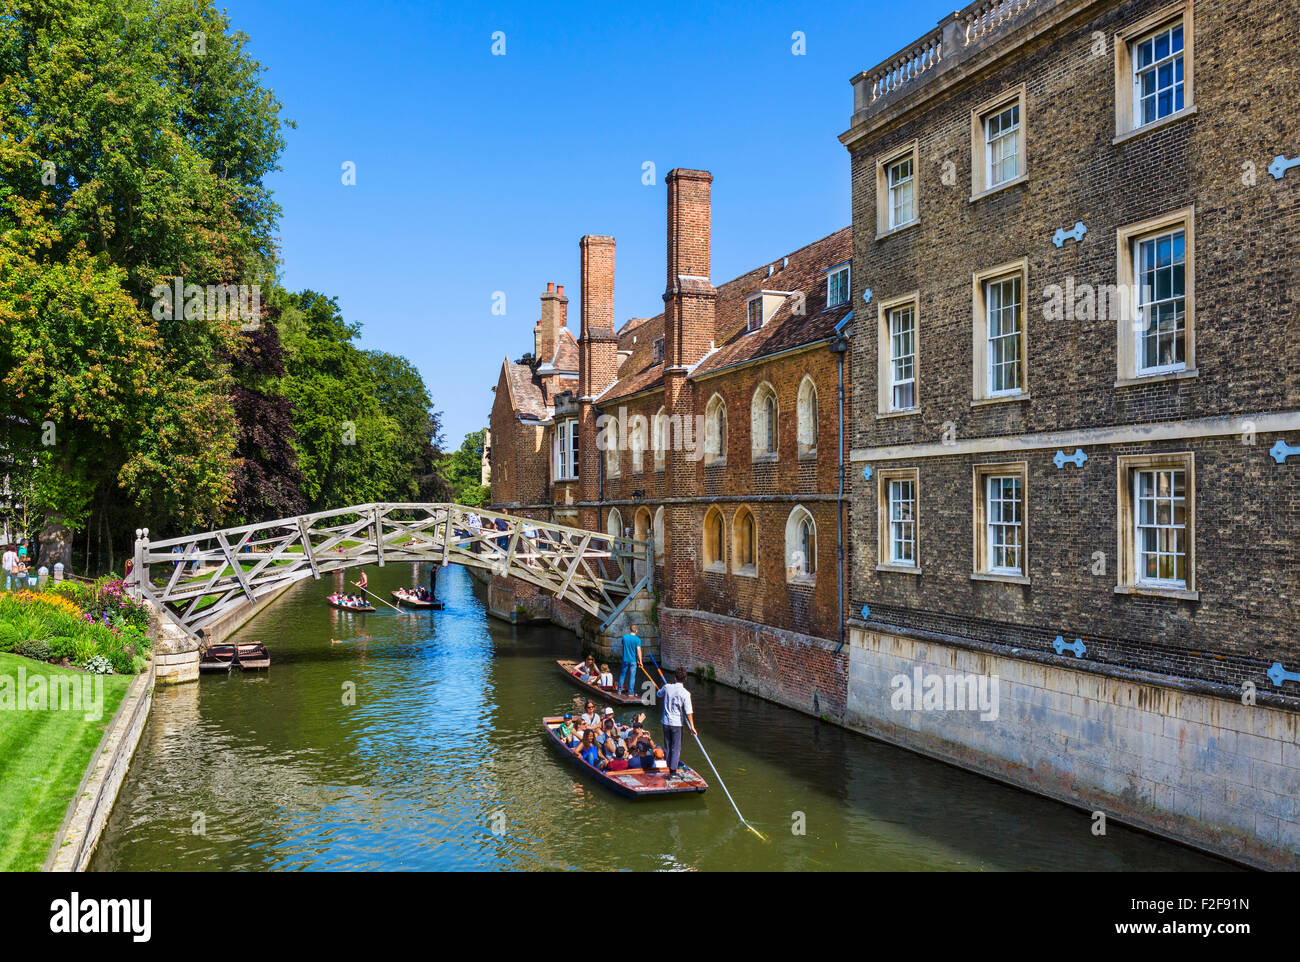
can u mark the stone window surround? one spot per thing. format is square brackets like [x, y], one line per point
[792, 574]
[883, 163]
[737, 552]
[761, 394]
[1125, 336]
[978, 162]
[884, 476]
[708, 558]
[884, 376]
[1124, 40]
[979, 332]
[1125, 532]
[710, 412]
[979, 533]
[805, 419]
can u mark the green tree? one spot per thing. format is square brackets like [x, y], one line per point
[463, 471]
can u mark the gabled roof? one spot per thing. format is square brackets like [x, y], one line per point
[803, 270]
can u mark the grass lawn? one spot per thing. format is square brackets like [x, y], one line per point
[43, 755]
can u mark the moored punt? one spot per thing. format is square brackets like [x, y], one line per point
[632, 783]
[606, 693]
[410, 602]
[252, 656]
[342, 607]
[217, 658]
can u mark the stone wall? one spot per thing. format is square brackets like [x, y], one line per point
[1149, 751]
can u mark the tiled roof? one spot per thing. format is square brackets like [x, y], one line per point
[566, 352]
[525, 393]
[804, 270]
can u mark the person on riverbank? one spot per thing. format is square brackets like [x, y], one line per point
[677, 706]
[631, 661]
[9, 561]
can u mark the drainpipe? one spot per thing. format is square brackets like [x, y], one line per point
[839, 346]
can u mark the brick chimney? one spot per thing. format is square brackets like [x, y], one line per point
[689, 300]
[546, 334]
[598, 347]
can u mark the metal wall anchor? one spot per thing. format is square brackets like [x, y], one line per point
[1077, 232]
[1277, 674]
[1076, 646]
[1281, 451]
[1078, 457]
[867, 472]
[866, 612]
[1281, 165]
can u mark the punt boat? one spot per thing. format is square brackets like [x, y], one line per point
[633, 783]
[595, 690]
[342, 607]
[410, 602]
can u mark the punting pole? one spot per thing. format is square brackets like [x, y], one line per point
[382, 601]
[706, 757]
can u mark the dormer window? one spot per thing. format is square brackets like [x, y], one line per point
[837, 286]
[659, 350]
[754, 313]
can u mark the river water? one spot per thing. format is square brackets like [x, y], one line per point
[440, 764]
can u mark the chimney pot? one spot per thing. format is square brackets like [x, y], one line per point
[560, 289]
[550, 287]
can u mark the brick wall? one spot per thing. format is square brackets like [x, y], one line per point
[792, 669]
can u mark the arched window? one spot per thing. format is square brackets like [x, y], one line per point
[611, 447]
[636, 442]
[641, 525]
[715, 430]
[800, 546]
[764, 418]
[743, 542]
[659, 535]
[713, 540]
[660, 435]
[807, 417]
[614, 523]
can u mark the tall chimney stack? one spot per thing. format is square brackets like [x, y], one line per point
[598, 347]
[690, 297]
[546, 335]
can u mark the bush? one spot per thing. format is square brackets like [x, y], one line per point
[65, 646]
[99, 665]
[10, 636]
[33, 649]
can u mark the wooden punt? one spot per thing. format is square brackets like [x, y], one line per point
[252, 656]
[413, 603]
[217, 658]
[633, 783]
[595, 690]
[343, 607]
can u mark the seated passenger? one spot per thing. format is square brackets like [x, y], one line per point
[589, 716]
[606, 679]
[655, 762]
[618, 763]
[590, 751]
[566, 727]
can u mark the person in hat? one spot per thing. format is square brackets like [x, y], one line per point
[566, 726]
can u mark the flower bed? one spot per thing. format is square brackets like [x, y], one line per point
[96, 626]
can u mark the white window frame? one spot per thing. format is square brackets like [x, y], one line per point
[832, 276]
[985, 526]
[1128, 93]
[887, 309]
[757, 299]
[1175, 59]
[1131, 324]
[1131, 574]
[887, 220]
[983, 363]
[566, 449]
[891, 526]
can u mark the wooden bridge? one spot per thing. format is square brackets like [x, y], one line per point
[200, 577]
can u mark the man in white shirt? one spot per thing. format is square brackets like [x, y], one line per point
[9, 562]
[677, 705]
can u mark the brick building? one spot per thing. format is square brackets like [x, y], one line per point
[1078, 350]
[714, 428]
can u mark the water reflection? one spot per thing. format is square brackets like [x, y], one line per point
[413, 740]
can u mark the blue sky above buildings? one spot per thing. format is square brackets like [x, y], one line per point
[478, 173]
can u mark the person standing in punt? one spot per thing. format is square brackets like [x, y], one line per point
[677, 707]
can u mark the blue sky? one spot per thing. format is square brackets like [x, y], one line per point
[478, 173]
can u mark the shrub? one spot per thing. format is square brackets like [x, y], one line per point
[33, 649]
[10, 636]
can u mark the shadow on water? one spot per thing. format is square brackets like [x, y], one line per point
[398, 741]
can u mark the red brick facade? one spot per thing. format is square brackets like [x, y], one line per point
[653, 483]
